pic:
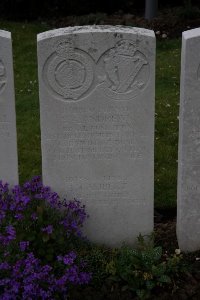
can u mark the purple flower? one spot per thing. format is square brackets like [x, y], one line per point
[48, 229]
[2, 215]
[23, 245]
[19, 216]
[28, 288]
[22, 274]
[34, 216]
[59, 258]
[3, 187]
[10, 230]
[6, 253]
[67, 259]
[4, 266]
[25, 199]
[11, 234]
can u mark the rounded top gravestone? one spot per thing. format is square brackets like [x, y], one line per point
[188, 205]
[97, 125]
[8, 142]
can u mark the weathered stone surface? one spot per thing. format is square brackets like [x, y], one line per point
[188, 206]
[8, 143]
[97, 125]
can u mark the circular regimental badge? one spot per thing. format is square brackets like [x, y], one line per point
[123, 71]
[68, 72]
[2, 76]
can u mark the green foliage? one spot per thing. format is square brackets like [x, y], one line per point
[45, 245]
[166, 122]
[99, 260]
[188, 11]
[143, 269]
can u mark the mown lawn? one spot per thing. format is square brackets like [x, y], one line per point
[26, 91]
[27, 108]
[166, 129]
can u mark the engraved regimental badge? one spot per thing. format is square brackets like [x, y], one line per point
[68, 72]
[123, 71]
[2, 76]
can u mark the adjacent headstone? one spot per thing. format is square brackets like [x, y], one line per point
[188, 206]
[8, 141]
[97, 125]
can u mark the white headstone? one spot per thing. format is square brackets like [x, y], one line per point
[8, 141]
[188, 206]
[97, 125]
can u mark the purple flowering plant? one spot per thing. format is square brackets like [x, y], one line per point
[39, 236]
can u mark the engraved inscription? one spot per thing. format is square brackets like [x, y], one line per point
[191, 188]
[2, 76]
[4, 127]
[104, 134]
[123, 71]
[198, 72]
[98, 191]
[196, 142]
[193, 146]
[68, 72]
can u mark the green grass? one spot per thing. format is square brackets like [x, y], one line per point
[26, 91]
[167, 111]
[27, 108]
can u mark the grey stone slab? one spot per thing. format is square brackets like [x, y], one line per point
[188, 202]
[96, 87]
[8, 141]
